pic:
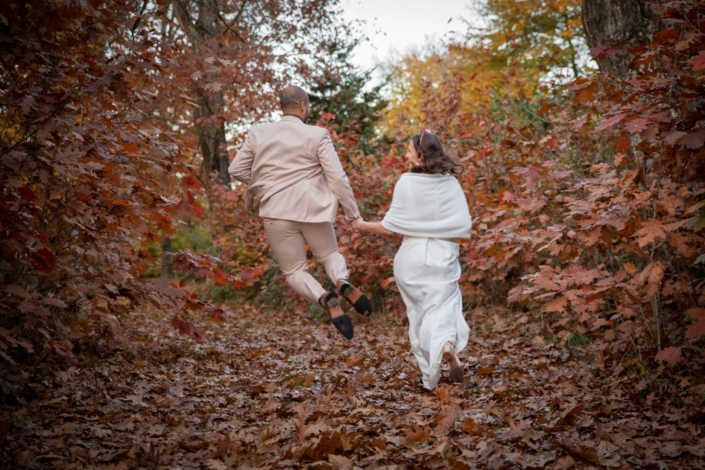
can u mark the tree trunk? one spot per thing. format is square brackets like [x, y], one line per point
[622, 23]
[167, 266]
[211, 131]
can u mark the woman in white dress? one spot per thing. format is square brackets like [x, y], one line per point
[429, 208]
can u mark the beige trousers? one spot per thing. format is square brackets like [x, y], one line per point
[288, 240]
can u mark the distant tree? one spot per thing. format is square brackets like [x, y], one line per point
[519, 45]
[232, 55]
[535, 34]
[344, 90]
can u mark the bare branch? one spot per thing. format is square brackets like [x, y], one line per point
[231, 29]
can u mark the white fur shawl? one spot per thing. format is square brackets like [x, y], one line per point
[430, 206]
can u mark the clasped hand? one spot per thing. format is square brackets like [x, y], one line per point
[357, 224]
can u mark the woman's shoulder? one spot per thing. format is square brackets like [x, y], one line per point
[408, 178]
[411, 176]
[413, 182]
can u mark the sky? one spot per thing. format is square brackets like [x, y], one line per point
[402, 25]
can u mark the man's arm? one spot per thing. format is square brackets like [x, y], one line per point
[337, 179]
[241, 166]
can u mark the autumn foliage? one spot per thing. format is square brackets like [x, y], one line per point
[586, 198]
[600, 213]
[81, 177]
[99, 158]
[583, 280]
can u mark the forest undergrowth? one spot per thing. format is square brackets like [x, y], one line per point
[267, 389]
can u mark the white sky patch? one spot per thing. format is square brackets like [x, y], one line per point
[395, 27]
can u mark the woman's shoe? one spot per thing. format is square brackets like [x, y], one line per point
[357, 299]
[341, 320]
[456, 368]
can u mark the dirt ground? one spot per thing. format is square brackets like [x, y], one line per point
[272, 390]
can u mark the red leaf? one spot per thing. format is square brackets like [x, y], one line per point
[597, 52]
[672, 137]
[697, 313]
[55, 302]
[698, 62]
[143, 254]
[191, 181]
[18, 290]
[218, 315]
[26, 104]
[636, 125]
[672, 34]
[247, 276]
[26, 194]
[623, 143]
[531, 173]
[671, 355]
[180, 325]
[43, 260]
[610, 122]
[694, 140]
[546, 108]
[505, 196]
[695, 330]
[219, 277]
[196, 333]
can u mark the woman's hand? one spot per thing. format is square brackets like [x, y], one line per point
[360, 225]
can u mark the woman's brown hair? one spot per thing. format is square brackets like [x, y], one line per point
[435, 160]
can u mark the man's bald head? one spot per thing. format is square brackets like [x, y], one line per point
[291, 98]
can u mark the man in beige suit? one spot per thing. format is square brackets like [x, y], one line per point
[295, 180]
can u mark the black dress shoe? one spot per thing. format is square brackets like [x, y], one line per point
[357, 299]
[342, 323]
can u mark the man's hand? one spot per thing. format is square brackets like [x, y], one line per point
[357, 224]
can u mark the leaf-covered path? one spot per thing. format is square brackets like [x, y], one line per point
[269, 390]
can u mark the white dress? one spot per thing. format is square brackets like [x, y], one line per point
[430, 211]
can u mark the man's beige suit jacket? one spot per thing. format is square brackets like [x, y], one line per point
[292, 172]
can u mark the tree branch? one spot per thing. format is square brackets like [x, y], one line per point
[231, 29]
[186, 22]
[239, 13]
[139, 17]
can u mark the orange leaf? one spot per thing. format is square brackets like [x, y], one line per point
[130, 148]
[557, 305]
[630, 268]
[650, 233]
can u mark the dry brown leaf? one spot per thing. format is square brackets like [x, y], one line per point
[416, 434]
[445, 420]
